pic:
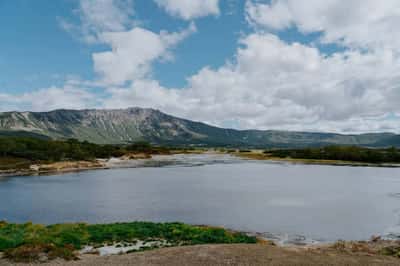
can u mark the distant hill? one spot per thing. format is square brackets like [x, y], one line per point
[23, 134]
[134, 124]
[389, 141]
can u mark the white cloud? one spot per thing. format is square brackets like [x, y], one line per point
[190, 9]
[275, 16]
[269, 84]
[67, 97]
[97, 16]
[133, 48]
[8, 102]
[359, 23]
[275, 85]
[147, 94]
[106, 15]
[133, 52]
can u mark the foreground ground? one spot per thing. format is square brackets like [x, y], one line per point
[233, 254]
[147, 243]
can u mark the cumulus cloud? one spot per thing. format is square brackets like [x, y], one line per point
[275, 16]
[268, 83]
[67, 97]
[98, 16]
[190, 9]
[146, 93]
[272, 84]
[360, 23]
[133, 48]
[133, 52]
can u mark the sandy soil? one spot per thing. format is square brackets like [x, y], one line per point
[58, 167]
[73, 166]
[67, 166]
[240, 254]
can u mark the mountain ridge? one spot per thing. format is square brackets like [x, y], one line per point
[114, 126]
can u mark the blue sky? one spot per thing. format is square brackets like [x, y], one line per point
[38, 53]
[281, 64]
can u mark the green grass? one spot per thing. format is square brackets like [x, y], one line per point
[18, 239]
[341, 153]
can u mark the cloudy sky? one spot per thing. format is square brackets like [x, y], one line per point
[313, 65]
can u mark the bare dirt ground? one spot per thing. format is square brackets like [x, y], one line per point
[240, 254]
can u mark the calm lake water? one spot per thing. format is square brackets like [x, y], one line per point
[293, 203]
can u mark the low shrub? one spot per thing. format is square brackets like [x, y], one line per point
[40, 252]
[391, 251]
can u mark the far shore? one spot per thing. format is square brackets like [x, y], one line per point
[259, 155]
[56, 168]
[78, 166]
[99, 164]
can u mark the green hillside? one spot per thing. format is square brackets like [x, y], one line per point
[136, 124]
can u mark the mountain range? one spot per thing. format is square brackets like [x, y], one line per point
[135, 124]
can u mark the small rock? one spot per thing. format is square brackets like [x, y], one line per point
[43, 257]
[35, 167]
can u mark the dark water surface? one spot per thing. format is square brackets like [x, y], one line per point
[290, 202]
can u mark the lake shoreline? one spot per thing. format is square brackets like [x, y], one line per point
[257, 155]
[64, 167]
[113, 163]
[106, 249]
[56, 168]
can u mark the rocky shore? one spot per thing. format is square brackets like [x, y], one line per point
[58, 167]
[72, 166]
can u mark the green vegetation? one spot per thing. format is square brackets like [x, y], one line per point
[21, 152]
[145, 147]
[391, 251]
[24, 242]
[54, 150]
[341, 153]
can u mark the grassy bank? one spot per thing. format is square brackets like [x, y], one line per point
[332, 155]
[27, 242]
[341, 153]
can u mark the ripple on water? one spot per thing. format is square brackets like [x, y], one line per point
[394, 195]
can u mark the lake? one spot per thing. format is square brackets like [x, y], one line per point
[292, 203]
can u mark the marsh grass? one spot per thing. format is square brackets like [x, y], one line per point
[24, 242]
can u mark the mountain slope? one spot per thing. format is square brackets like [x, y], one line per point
[133, 124]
